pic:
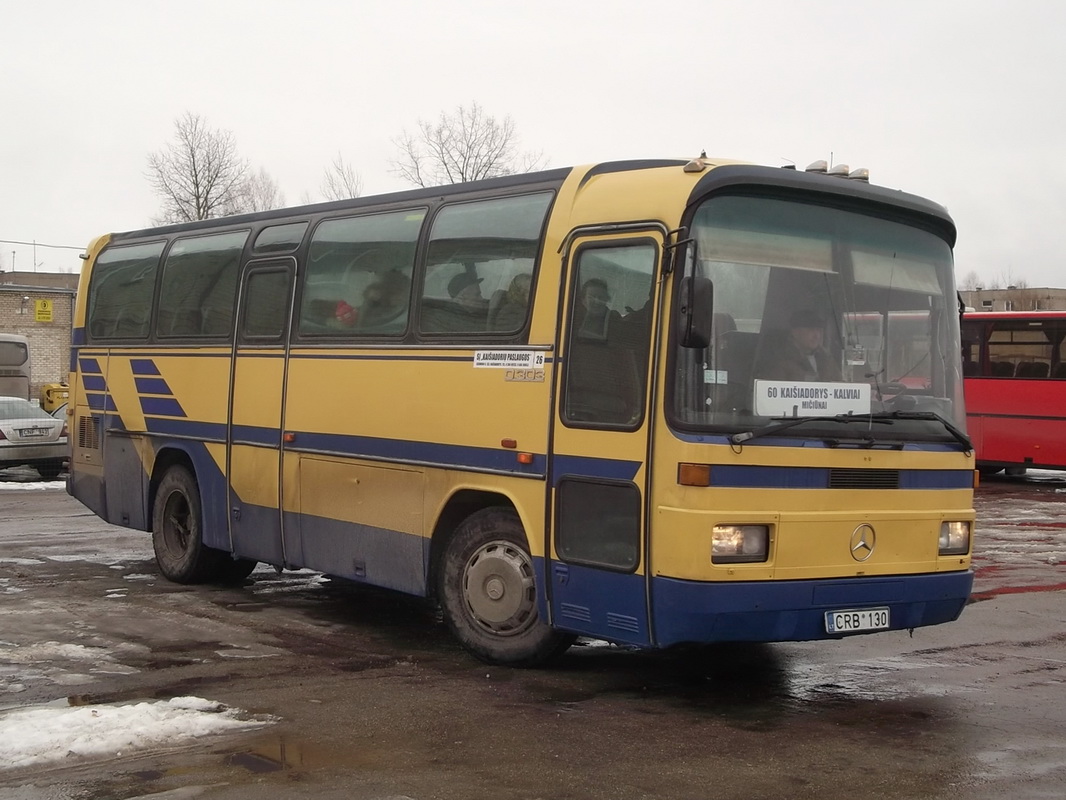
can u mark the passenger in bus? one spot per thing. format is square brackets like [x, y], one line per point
[466, 311]
[465, 290]
[508, 311]
[801, 356]
[385, 300]
[327, 314]
[594, 316]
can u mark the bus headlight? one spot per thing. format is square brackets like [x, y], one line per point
[737, 544]
[954, 538]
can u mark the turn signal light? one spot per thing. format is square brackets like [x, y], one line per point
[694, 474]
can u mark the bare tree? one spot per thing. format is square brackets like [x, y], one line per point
[970, 282]
[1007, 279]
[341, 181]
[466, 145]
[259, 193]
[199, 175]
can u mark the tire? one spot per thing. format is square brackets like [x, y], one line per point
[487, 592]
[49, 472]
[231, 570]
[177, 530]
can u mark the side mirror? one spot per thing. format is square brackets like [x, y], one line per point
[696, 310]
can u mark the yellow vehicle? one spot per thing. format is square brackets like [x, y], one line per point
[539, 400]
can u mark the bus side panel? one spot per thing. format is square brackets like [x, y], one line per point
[599, 603]
[126, 487]
[89, 398]
[1017, 421]
[185, 395]
[361, 521]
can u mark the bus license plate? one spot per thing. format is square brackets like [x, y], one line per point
[856, 619]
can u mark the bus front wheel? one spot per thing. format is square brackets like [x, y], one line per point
[488, 594]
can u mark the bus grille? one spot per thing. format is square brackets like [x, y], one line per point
[88, 434]
[864, 479]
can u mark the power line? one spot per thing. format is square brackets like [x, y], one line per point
[40, 244]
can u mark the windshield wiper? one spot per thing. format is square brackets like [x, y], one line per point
[791, 422]
[931, 416]
[885, 418]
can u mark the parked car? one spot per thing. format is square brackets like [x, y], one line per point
[31, 436]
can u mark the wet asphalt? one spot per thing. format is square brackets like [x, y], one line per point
[373, 699]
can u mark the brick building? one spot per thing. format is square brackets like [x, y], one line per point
[40, 306]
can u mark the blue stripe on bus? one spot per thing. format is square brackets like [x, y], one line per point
[143, 366]
[936, 479]
[162, 407]
[187, 429]
[94, 383]
[90, 366]
[431, 453]
[756, 477]
[98, 401]
[428, 453]
[751, 477]
[152, 386]
[253, 434]
[594, 467]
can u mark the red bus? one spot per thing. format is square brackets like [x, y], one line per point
[1014, 363]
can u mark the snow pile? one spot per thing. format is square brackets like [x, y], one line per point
[37, 735]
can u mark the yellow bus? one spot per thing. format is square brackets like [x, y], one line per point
[546, 402]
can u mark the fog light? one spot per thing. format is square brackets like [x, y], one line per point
[954, 538]
[737, 544]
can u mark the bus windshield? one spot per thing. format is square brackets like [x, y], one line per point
[821, 312]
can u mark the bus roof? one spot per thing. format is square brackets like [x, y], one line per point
[714, 174]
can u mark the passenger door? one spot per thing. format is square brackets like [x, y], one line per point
[256, 401]
[598, 467]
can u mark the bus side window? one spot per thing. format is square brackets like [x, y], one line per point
[476, 251]
[120, 291]
[357, 281]
[1032, 369]
[199, 285]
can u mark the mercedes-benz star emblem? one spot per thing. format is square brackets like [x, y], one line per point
[863, 540]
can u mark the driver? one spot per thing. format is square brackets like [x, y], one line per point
[802, 356]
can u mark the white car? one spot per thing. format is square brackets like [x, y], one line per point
[29, 435]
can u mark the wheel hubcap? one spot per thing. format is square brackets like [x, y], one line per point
[498, 587]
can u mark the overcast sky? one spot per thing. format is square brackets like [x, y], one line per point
[962, 101]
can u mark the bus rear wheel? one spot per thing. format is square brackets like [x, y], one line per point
[487, 591]
[177, 535]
